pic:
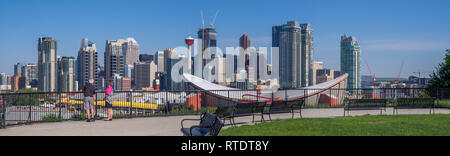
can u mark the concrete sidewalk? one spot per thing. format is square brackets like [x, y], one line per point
[166, 126]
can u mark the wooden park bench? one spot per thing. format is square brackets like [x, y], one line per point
[248, 109]
[277, 107]
[414, 103]
[365, 104]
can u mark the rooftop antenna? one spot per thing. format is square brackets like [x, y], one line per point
[214, 20]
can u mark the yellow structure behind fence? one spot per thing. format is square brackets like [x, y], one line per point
[116, 104]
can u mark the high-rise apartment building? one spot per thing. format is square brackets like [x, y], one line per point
[351, 61]
[30, 73]
[47, 64]
[295, 42]
[130, 51]
[67, 74]
[87, 64]
[288, 38]
[307, 54]
[114, 58]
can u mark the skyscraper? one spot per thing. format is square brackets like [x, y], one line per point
[87, 64]
[30, 73]
[244, 43]
[169, 53]
[288, 38]
[67, 74]
[159, 60]
[307, 54]
[208, 36]
[17, 68]
[114, 58]
[130, 51]
[351, 61]
[145, 74]
[47, 64]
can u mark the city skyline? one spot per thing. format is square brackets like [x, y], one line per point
[384, 29]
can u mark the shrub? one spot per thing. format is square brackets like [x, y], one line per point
[81, 116]
[51, 117]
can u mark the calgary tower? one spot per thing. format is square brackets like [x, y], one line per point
[189, 41]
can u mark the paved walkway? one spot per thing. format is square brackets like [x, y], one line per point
[164, 126]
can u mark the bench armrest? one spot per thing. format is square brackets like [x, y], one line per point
[182, 121]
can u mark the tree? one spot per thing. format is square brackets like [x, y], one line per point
[441, 77]
[25, 97]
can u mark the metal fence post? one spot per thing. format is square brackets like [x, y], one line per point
[167, 103]
[272, 97]
[228, 97]
[59, 105]
[29, 113]
[3, 112]
[131, 103]
[304, 95]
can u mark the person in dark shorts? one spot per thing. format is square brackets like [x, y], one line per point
[89, 100]
[109, 101]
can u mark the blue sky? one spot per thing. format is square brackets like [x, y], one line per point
[389, 31]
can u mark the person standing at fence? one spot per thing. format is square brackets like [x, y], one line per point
[89, 99]
[109, 101]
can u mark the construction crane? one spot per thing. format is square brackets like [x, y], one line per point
[401, 69]
[203, 38]
[373, 75]
[211, 25]
[203, 20]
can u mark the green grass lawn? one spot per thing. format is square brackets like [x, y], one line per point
[444, 103]
[402, 125]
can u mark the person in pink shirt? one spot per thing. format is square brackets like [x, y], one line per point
[109, 101]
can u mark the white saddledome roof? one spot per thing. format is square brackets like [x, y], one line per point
[234, 93]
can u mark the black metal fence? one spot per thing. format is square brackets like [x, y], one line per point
[26, 108]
